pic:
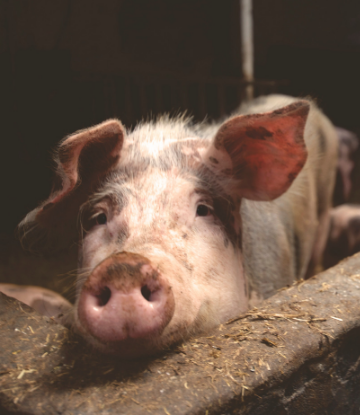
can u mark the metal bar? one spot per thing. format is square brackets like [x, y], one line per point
[247, 49]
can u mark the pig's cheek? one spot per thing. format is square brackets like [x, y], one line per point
[188, 303]
[188, 295]
[219, 280]
[96, 246]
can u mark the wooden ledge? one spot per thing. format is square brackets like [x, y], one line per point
[297, 354]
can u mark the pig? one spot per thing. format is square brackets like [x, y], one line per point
[182, 226]
[348, 144]
[344, 234]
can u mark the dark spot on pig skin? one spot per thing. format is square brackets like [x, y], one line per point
[123, 235]
[276, 113]
[279, 111]
[124, 275]
[213, 160]
[298, 136]
[258, 133]
[116, 270]
[187, 265]
[224, 214]
[224, 205]
[185, 235]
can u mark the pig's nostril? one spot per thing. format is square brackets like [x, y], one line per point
[146, 293]
[104, 296]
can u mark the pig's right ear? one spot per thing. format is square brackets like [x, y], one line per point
[83, 159]
[261, 154]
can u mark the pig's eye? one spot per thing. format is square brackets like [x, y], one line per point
[203, 210]
[101, 219]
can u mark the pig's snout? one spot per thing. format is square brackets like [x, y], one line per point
[125, 298]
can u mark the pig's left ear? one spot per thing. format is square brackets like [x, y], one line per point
[263, 153]
[83, 159]
[86, 155]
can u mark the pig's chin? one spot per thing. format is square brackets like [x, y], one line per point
[130, 348]
[171, 334]
[176, 331]
[132, 342]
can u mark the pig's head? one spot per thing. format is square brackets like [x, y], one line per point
[159, 225]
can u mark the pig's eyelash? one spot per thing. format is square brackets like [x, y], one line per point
[96, 214]
[88, 218]
[206, 203]
[96, 218]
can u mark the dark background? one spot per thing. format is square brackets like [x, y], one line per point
[67, 64]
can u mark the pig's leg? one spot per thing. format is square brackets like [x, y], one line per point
[44, 301]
